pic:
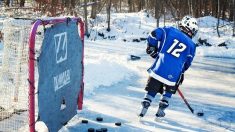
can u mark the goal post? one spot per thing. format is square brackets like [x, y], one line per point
[20, 74]
[32, 64]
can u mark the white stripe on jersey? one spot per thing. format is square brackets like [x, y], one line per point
[152, 36]
[164, 39]
[190, 56]
[161, 79]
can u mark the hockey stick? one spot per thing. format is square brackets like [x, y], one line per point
[186, 102]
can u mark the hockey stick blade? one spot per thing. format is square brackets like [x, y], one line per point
[201, 113]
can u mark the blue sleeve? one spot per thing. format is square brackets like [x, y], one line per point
[154, 37]
[189, 59]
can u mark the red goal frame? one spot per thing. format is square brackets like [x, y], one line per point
[31, 64]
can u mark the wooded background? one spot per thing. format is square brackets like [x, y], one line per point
[224, 9]
[177, 8]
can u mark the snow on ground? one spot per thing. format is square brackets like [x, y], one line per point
[207, 30]
[114, 85]
[208, 86]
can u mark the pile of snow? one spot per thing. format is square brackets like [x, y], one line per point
[207, 30]
[104, 73]
[222, 46]
[129, 27]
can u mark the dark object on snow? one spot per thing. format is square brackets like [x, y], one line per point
[99, 119]
[222, 44]
[85, 121]
[143, 39]
[39, 33]
[91, 130]
[124, 40]
[208, 44]
[101, 34]
[98, 130]
[134, 57]
[1, 108]
[135, 40]
[111, 37]
[141, 115]
[203, 42]
[198, 44]
[104, 129]
[200, 114]
[118, 123]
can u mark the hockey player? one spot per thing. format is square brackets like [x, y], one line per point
[173, 50]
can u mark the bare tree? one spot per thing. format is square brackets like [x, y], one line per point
[85, 17]
[189, 7]
[93, 9]
[231, 10]
[130, 3]
[7, 3]
[157, 11]
[120, 5]
[233, 18]
[22, 2]
[218, 17]
[224, 8]
[108, 9]
[140, 4]
[72, 3]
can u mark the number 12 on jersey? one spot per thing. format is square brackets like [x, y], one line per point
[176, 52]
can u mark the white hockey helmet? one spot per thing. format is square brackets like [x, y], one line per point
[189, 24]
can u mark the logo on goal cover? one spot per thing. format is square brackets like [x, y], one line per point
[61, 47]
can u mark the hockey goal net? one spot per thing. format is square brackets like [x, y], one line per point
[18, 84]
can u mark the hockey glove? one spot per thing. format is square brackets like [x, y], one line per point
[152, 51]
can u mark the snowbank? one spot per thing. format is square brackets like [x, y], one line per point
[124, 26]
[104, 73]
[135, 27]
[207, 30]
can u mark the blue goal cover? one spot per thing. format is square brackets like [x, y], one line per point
[60, 75]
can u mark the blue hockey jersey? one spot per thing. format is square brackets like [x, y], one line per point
[176, 51]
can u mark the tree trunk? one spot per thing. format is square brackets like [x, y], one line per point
[133, 5]
[22, 3]
[218, 17]
[72, 4]
[214, 9]
[93, 10]
[85, 17]
[205, 8]
[231, 10]
[7, 3]
[189, 7]
[108, 9]
[67, 3]
[233, 18]
[224, 7]
[120, 5]
[53, 7]
[130, 6]
[140, 4]
[157, 12]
